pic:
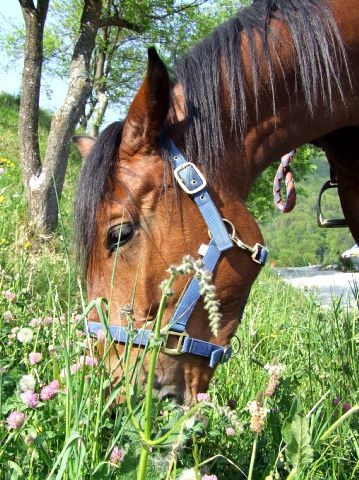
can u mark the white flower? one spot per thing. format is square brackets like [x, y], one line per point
[274, 369]
[27, 382]
[188, 474]
[25, 335]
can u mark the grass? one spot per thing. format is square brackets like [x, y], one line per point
[310, 429]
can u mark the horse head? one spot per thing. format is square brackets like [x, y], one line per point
[134, 222]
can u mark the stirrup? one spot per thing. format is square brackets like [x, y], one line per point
[329, 222]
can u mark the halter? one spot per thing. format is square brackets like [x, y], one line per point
[192, 181]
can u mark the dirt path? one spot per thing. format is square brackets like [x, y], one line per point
[326, 284]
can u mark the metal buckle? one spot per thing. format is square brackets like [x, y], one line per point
[256, 251]
[182, 183]
[225, 357]
[178, 349]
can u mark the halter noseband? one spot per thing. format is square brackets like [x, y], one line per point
[192, 181]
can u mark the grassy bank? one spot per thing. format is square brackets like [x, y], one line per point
[297, 362]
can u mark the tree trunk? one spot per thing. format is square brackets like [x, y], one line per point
[29, 103]
[44, 183]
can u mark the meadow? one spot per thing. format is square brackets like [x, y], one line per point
[286, 406]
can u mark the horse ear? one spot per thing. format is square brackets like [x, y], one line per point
[84, 144]
[149, 108]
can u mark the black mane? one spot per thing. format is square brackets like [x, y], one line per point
[94, 186]
[318, 59]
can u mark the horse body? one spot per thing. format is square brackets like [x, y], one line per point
[134, 201]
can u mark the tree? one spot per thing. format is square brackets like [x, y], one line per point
[100, 21]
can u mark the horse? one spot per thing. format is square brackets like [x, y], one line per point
[277, 75]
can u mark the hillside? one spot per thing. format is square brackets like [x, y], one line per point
[294, 239]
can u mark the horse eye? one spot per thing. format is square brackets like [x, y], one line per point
[118, 236]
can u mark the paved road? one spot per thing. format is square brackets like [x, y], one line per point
[327, 284]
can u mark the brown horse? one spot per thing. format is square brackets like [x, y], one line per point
[279, 74]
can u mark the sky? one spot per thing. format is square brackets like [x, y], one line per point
[10, 77]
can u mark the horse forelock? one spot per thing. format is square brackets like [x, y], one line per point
[319, 57]
[94, 185]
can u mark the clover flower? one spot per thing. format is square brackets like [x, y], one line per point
[101, 335]
[230, 432]
[50, 390]
[10, 296]
[188, 474]
[48, 321]
[30, 398]
[35, 322]
[16, 420]
[34, 358]
[209, 477]
[8, 316]
[258, 416]
[203, 397]
[87, 360]
[27, 382]
[117, 455]
[25, 335]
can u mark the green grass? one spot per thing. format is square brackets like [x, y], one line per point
[72, 435]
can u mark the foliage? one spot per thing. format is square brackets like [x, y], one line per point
[294, 239]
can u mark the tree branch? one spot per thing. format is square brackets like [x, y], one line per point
[115, 21]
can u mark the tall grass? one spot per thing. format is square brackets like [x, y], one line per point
[76, 430]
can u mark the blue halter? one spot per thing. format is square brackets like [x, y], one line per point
[191, 180]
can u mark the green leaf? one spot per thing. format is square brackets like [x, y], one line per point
[299, 451]
[15, 471]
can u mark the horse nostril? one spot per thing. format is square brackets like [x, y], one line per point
[157, 384]
[167, 394]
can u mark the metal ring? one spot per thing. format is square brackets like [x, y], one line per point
[236, 351]
[230, 224]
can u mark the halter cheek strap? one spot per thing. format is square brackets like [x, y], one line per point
[191, 180]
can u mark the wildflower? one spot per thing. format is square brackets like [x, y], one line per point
[203, 397]
[2, 170]
[50, 390]
[209, 477]
[48, 321]
[51, 348]
[27, 382]
[117, 455]
[35, 322]
[25, 335]
[274, 372]
[346, 406]
[2, 199]
[8, 316]
[30, 398]
[16, 420]
[89, 361]
[101, 335]
[232, 404]
[258, 416]
[79, 333]
[35, 357]
[10, 296]
[30, 438]
[188, 474]
[55, 385]
[230, 432]
[75, 367]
